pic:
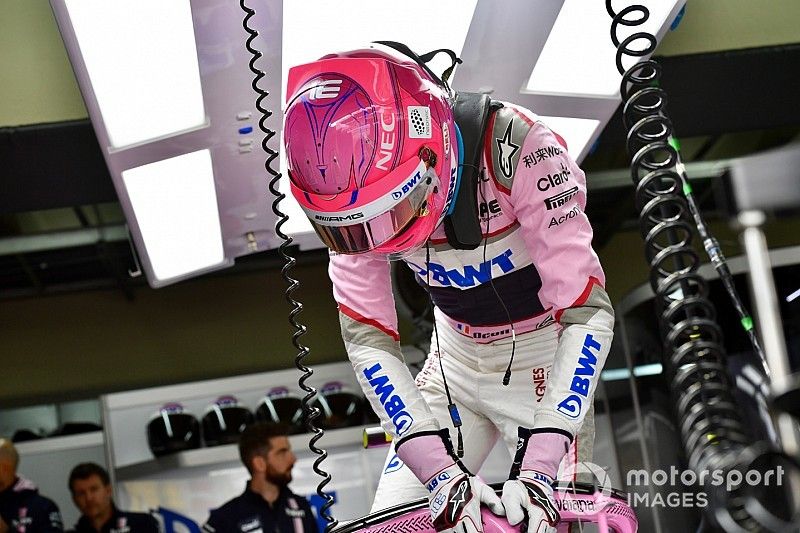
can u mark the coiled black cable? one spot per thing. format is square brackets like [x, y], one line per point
[310, 412]
[711, 428]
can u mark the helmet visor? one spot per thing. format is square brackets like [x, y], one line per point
[359, 237]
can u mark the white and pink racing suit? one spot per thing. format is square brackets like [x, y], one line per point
[536, 270]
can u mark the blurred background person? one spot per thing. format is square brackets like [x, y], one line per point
[22, 508]
[92, 493]
[267, 503]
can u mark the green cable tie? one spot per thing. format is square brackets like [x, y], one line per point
[747, 323]
[675, 143]
[687, 188]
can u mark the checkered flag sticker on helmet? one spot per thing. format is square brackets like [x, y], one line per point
[419, 122]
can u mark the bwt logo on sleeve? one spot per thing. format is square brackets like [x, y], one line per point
[392, 403]
[433, 483]
[572, 405]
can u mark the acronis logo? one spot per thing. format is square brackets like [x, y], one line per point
[394, 406]
[407, 187]
[572, 405]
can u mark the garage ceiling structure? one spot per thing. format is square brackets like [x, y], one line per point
[730, 70]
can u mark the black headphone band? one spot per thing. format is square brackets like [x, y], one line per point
[423, 59]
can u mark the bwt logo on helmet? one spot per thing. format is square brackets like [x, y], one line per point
[387, 141]
[392, 403]
[407, 187]
[572, 405]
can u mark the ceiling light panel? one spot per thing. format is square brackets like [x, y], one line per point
[142, 61]
[577, 132]
[579, 57]
[314, 28]
[175, 204]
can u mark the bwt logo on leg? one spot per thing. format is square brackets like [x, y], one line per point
[572, 405]
[394, 406]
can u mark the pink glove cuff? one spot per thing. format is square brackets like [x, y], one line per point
[542, 450]
[426, 453]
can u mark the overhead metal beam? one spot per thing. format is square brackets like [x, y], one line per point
[62, 239]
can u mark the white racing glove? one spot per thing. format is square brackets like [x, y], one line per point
[455, 495]
[529, 490]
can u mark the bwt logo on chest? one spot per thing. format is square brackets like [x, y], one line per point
[572, 405]
[471, 275]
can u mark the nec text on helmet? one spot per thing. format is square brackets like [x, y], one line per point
[387, 141]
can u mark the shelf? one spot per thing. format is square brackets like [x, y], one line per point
[351, 437]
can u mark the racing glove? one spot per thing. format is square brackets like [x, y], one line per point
[529, 490]
[455, 494]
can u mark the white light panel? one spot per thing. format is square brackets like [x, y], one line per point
[314, 28]
[579, 57]
[175, 204]
[577, 132]
[142, 61]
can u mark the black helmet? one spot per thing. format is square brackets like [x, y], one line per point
[224, 421]
[280, 406]
[171, 430]
[339, 406]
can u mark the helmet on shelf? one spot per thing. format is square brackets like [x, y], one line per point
[339, 406]
[172, 430]
[279, 406]
[224, 420]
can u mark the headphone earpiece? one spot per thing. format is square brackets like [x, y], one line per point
[428, 156]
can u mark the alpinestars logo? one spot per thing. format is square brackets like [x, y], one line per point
[541, 501]
[507, 149]
[458, 499]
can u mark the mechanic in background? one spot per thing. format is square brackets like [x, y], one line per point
[92, 493]
[22, 508]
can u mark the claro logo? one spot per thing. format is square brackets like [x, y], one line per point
[394, 406]
[554, 180]
[572, 405]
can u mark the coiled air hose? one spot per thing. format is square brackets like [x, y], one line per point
[711, 428]
[310, 413]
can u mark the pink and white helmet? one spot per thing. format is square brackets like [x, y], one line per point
[372, 150]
